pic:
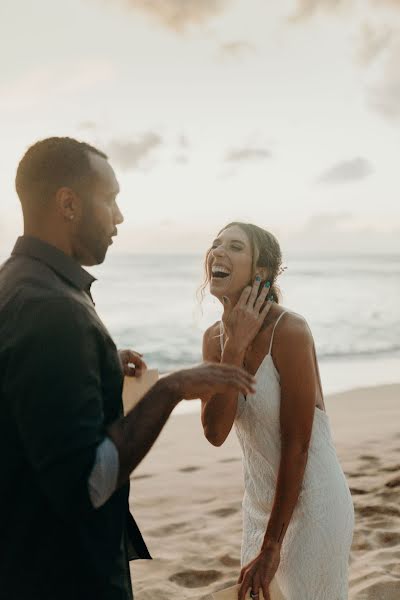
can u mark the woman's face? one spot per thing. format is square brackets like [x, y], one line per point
[230, 263]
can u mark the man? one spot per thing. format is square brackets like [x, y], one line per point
[66, 451]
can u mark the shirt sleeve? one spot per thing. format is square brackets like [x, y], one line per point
[104, 476]
[53, 387]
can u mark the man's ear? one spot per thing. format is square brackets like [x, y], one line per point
[69, 205]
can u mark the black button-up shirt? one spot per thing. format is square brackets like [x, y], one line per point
[61, 386]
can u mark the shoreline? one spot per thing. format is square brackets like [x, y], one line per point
[353, 373]
[187, 494]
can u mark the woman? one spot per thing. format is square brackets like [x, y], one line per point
[298, 514]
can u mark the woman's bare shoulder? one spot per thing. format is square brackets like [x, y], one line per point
[293, 328]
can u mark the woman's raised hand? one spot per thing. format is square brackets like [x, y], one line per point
[243, 321]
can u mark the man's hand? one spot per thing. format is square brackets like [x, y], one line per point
[209, 379]
[132, 363]
[134, 434]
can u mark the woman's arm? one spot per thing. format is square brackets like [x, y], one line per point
[242, 323]
[294, 359]
[218, 412]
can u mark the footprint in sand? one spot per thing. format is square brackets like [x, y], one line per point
[393, 483]
[195, 579]
[391, 469]
[370, 458]
[189, 469]
[372, 511]
[356, 475]
[224, 512]
[229, 561]
[389, 538]
[358, 491]
[387, 589]
[206, 500]
[363, 546]
[169, 529]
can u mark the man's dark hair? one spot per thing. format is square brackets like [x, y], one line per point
[51, 164]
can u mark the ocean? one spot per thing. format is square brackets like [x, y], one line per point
[149, 304]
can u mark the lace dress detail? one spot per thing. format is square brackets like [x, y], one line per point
[316, 547]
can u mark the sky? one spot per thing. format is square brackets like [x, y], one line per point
[285, 114]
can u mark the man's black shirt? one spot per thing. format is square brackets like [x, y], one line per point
[60, 388]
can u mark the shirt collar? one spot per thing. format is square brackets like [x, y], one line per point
[63, 265]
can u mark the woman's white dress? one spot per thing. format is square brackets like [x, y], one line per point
[316, 547]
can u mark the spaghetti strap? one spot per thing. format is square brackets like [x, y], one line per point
[273, 331]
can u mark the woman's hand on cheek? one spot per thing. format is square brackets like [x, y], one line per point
[243, 321]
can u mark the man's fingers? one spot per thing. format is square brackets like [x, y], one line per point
[131, 371]
[238, 376]
[222, 385]
[132, 362]
[211, 379]
[137, 360]
[236, 384]
[230, 369]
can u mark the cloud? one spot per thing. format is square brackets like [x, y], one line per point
[342, 233]
[178, 15]
[129, 154]
[327, 222]
[183, 142]
[373, 42]
[247, 155]
[390, 3]
[384, 94]
[87, 126]
[306, 8]
[347, 171]
[181, 159]
[235, 49]
[377, 41]
[44, 85]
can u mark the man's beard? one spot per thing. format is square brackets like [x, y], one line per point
[93, 243]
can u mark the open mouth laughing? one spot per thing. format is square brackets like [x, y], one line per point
[219, 272]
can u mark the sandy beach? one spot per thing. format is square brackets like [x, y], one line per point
[187, 495]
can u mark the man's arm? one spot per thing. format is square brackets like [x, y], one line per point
[136, 433]
[53, 386]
